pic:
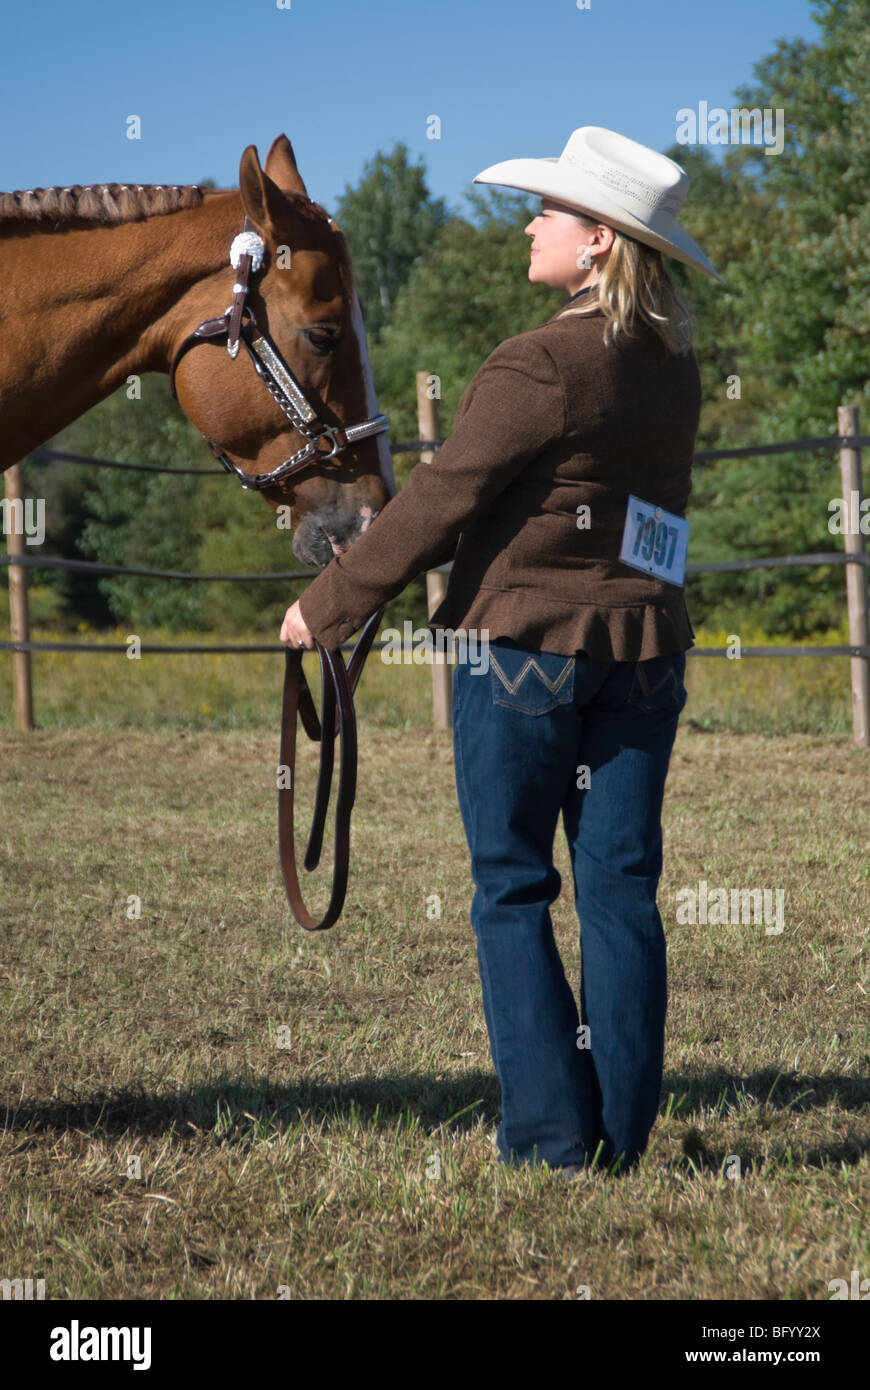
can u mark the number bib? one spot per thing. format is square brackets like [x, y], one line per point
[655, 541]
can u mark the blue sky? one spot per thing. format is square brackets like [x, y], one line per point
[346, 78]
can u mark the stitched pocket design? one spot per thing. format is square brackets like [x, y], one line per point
[530, 683]
[658, 685]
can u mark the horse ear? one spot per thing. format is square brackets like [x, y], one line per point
[262, 199]
[281, 167]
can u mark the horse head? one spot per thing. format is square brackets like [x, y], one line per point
[302, 299]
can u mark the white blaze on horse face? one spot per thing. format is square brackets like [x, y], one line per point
[372, 408]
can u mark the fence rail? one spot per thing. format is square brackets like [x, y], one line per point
[416, 446]
[275, 647]
[161, 649]
[57, 562]
[848, 442]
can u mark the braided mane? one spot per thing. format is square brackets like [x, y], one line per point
[105, 205]
[110, 204]
[99, 204]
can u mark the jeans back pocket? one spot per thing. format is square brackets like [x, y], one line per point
[530, 682]
[658, 684]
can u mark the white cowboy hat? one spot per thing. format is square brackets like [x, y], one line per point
[627, 185]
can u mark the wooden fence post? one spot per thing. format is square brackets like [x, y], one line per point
[429, 424]
[856, 576]
[19, 619]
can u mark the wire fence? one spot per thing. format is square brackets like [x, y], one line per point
[848, 442]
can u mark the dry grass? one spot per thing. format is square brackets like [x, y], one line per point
[768, 695]
[306, 1167]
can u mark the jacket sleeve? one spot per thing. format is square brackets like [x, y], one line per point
[513, 410]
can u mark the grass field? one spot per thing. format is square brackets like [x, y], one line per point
[768, 695]
[313, 1113]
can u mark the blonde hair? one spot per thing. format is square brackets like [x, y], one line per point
[634, 285]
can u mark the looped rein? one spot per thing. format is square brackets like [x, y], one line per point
[338, 717]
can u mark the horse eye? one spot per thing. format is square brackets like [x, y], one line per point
[322, 340]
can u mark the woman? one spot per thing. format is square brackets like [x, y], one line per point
[578, 711]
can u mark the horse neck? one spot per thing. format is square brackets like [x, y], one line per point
[87, 308]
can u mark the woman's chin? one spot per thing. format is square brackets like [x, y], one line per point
[537, 276]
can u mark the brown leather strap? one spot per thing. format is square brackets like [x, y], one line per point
[338, 718]
[211, 328]
[240, 298]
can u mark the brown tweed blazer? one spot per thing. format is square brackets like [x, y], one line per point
[553, 420]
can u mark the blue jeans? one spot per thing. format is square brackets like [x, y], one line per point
[522, 734]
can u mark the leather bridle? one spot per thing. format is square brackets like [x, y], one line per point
[338, 681]
[276, 376]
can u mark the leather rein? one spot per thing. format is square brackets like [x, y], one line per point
[338, 682]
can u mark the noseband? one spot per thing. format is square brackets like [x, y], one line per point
[338, 681]
[239, 323]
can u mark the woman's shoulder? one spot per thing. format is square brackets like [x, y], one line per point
[569, 336]
[516, 366]
[525, 352]
[552, 348]
[569, 347]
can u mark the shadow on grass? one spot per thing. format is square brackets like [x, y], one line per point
[230, 1104]
[766, 1094]
[771, 1087]
[234, 1108]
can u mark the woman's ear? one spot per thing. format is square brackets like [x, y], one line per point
[607, 236]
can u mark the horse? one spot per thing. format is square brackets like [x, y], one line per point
[102, 283]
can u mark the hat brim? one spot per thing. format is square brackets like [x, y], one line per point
[545, 178]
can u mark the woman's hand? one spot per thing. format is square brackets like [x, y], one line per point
[294, 631]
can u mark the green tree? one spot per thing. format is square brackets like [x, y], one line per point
[389, 220]
[789, 233]
[462, 298]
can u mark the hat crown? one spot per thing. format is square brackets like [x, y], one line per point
[648, 185]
